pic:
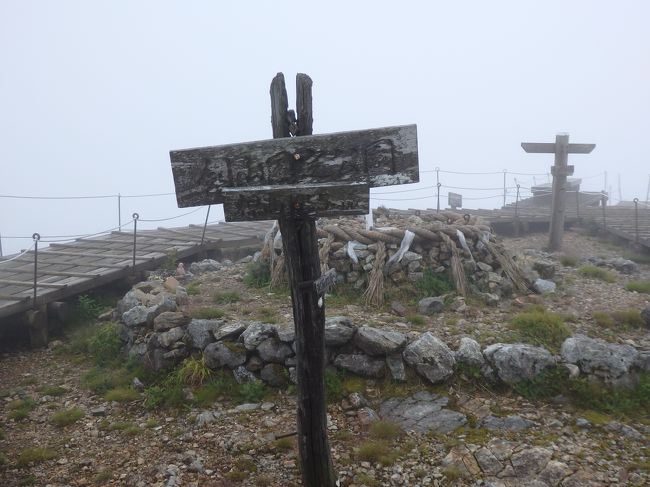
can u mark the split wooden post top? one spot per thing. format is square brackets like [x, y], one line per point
[560, 170]
[322, 175]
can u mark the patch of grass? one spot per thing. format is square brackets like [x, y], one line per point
[245, 464]
[267, 315]
[236, 475]
[258, 274]
[639, 286]
[476, 436]
[100, 380]
[377, 451]
[207, 313]
[417, 320]
[549, 383]
[365, 479]
[122, 394]
[226, 297]
[343, 435]
[385, 430]
[29, 480]
[433, 284]
[603, 319]
[540, 327]
[34, 456]
[166, 395]
[251, 392]
[19, 409]
[594, 272]
[66, 417]
[636, 257]
[103, 476]
[127, 427]
[194, 372]
[101, 343]
[343, 295]
[283, 444]
[151, 423]
[618, 319]
[170, 260]
[52, 390]
[452, 473]
[568, 260]
[263, 481]
[193, 289]
[30, 380]
[596, 418]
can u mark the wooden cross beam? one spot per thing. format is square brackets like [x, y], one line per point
[561, 148]
[295, 180]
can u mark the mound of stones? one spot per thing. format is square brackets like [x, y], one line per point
[158, 333]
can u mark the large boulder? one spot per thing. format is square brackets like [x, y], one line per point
[224, 354]
[360, 364]
[207, 265]
[338, 330]
[255, 334]
[431, 357]
[130, 300]
[517, 362]
[139, 316]
[275, 375]
[273, 350]
[374, 341]
[469, 353]
[230, 331]
[169, 337]
[608, 362]
[430, 306]
[170, 319]
[201, 332]
[545, 268]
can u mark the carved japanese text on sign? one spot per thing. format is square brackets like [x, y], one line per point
[298, 166]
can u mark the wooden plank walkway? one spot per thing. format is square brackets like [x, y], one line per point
[71, 268]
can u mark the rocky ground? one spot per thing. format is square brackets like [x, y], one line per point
[461, 433]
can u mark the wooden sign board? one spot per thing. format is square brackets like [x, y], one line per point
[329, 174]
[455, 200]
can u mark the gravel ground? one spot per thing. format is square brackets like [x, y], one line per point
[236, 446]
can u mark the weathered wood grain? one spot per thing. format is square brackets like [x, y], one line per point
[317, 200]
[378, 157]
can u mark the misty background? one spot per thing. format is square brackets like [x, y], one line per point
[94, 95]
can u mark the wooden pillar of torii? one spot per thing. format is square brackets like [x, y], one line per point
[560, 170]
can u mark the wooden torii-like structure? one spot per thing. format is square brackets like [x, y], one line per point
[561, 148]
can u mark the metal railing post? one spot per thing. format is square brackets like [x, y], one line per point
[577, 204]
[604, 201]
[119, 211]
[205, 224]
[438, 204]
[135, 231]
[36, 238]
[505, 172]
[636, 220]
[516, 222]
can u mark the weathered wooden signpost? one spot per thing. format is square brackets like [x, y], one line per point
[561, 148]
[295, 180]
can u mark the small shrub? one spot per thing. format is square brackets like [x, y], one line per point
[549, 383]
[169, 263]
[104, 344]
[194, 372]
[630, 318]
[639, 286]
[283, 444]
[122, 394]
[251, 392]
[258, 274]
[593, 272]
[103, 476]
[226, 297]
[34, 456]
[151, 423]
[52, 391]
[333, 386]
[87, 308]
[385, 430]
[452, 473]
[164, 396]
[245, 465]
[540, 327]
[207, 313]
[365, 479]
[20, 408]
[417, 320]
[100, 380]
[193, 289]
[568, 260]
[377, 451]
[66, 417]
[603, 319]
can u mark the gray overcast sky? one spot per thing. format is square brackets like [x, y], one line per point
[93, 95]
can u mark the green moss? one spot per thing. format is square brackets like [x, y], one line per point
[122, 394]
[540, 327]
[66, 417]
[226, 297]
[34, 456]
[593, 272]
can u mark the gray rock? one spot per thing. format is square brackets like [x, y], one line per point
[201, 332]
[286, 334]
[583, 423]
[130, 300]
[246, 407]
[624, 266]
[430, 306]
[367, 416]
[642, 360]
[170, 319]
[375, 342]
[542, 286]
[529, 462]
[206, 417]
[469, 353]
[545, 268]
[273, 350]
[484, 267]
[168, 338]
[139, 316]
[255, 334]
[625, 430]
[357, 400]
[423, 412]
[338, 330]
[360, 364]
[243, 376]
[431, 357]
[275, 375]
[491, 299]
[224, 354]
[554, 472]
[487, 461]
[207, 265]
[608, 362]
[255, 364]
[396, 367]
[517, 362]
[398, 308]
[230, 331]
[508, 423]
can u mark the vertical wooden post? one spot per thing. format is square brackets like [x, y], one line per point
[300, 246]
[559, 171]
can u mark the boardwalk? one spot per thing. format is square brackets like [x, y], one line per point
[68, 269]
